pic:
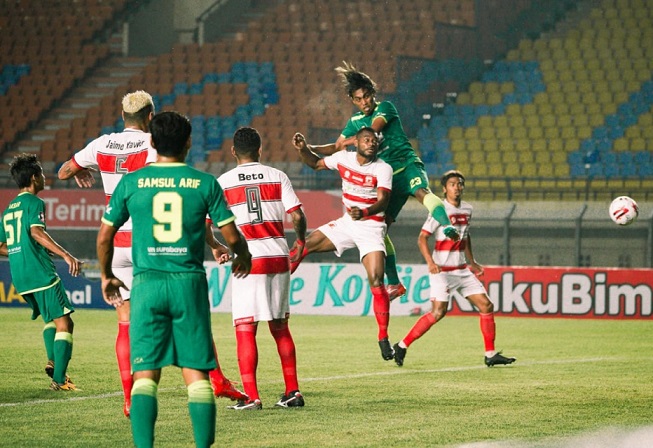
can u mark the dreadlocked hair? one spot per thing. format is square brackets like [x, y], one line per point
[353, 79]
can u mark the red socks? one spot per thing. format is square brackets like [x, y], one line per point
[216, 374]
[247, 358]
[124, 363]
[488, 329]
[286, 348]
[422, 325]
[381, 306]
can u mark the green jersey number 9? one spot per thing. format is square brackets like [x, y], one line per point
[167, 211]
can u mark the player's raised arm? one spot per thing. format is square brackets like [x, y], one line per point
[306, 153]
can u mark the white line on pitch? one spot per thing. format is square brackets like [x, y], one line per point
[397, 371]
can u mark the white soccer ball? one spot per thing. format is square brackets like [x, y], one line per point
[623, 210]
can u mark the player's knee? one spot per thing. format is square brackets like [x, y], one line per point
[439, 311]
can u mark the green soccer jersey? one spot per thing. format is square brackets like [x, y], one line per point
[30, 263]
[168, 204]
[394, 147]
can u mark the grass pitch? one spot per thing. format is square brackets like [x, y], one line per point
[571, 377]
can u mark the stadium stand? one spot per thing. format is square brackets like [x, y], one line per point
[574, 104]
[565, 111]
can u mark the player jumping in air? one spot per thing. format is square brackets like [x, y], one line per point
[409, 177]
[452, 266]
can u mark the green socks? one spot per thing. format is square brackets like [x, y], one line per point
[201, 406]
[62, 351]
[144, 411]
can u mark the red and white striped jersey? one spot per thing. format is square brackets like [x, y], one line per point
[360, 182]
[449, 254]
[116, 155]
[260, 197]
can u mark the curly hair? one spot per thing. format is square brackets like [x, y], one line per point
[353, 79]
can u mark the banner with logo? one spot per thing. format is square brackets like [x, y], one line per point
[82, 209]
[342, 289]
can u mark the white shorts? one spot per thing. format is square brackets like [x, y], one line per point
[123, 268]
[444, 283]
[368, 235]
[260, 297]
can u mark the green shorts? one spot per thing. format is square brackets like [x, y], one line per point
[170, 322]
[50, 303]
[404, 184]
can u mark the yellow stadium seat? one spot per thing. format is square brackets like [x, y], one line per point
[503, 132]
[633, 132]
[512, 169]
[552, 133]
[455, 132]
[593, 109]
[529, 170]
[509, 157]
[535, 133]
[519, 132]
[584, 132]
[478, 98]
[556, 144]
[491, 87]
[495, 169]
[513, 109]
[484, 122]
[541, 98]
[474, 145]
[561, 109]
[506, 144]
[645, 120]
[542, 157]
[491, 145]
[558, 156]
[475, 87]
[621, 144]
[523, 144]
[609, 109]
[539, 144]
[464, 98]
[596, 120]
[515, 121]
[499, 121]
[525, 157]
[494, 98]
[507, 87]
[647, 134]
[638, 144]
[568, 132]
[457, 145]
[532, 121]
[476, 155]
[545, 170]
[548, 121]
[576, 109]
[492, 156]
[571, 144]
[487, 133]
[545, 109]
[471, 132]
[581, 120]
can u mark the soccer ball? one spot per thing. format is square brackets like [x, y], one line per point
[624, 210]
